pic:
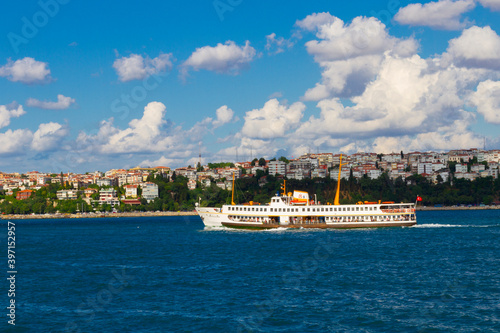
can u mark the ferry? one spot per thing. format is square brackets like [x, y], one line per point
[297, 211]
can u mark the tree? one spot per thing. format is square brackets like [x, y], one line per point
[284, 159]
[262, 162]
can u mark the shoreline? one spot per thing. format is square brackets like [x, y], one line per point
[424, 208]
[93, 215]
[191, 213]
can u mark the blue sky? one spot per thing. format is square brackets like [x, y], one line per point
[92, 86]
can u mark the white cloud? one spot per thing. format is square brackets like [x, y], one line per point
[491, 4]
[487, 100]
[363, 36]
[49, 137]
[351, 54]
[149, 134]
[8, 112]
[15, 142]
[26, 70]
[227, 58]
[443, 14]
[162, 161]
[476, 48]
[273, 120]
[224, 116]
[406, 98]
[456, 137]
[277, 45]
[316, 20]
[137, 67]
[62, 103]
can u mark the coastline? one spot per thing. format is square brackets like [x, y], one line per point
[93, 215]
[424, 208]
[191, 213]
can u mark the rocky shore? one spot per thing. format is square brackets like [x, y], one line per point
[93, 215]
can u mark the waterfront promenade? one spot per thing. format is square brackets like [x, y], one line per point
[93, 215]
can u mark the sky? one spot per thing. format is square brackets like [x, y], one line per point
[92, 85]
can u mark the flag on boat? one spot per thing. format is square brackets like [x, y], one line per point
[419, 198]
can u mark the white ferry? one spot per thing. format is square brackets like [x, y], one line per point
[297, 211]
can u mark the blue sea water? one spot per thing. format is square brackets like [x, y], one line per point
[169, 274]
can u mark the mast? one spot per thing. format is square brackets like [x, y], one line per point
[283, 187]
[232, 192]
[337, 194]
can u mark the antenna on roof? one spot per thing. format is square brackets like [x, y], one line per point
[199, 155]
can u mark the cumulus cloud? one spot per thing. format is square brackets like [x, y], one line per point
[62, 103]
[148, 134]
[15, 142]
[487, 100]
[350, 54]
[162, 161]
[456, 138]
[49, 136]
[8, 112]
[26, 70]
[137, 67]
[443, 14]
[273, 120]
[407, 97]
[316, 20]
[491, 4]
[224, 116]
[476, 48]
[227, 58]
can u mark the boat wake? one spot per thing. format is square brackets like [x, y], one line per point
[438, 225]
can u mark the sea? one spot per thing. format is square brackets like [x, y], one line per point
[170, 274]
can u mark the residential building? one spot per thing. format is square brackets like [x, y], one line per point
[191, 184]
[108, 196]
[277, 168]
[24, 194]
[67, 195]
[149, 191]
[130, 191]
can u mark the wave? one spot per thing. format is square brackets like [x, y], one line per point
[438, 225]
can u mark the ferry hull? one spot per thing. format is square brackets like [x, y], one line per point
[210, 216]
[262, 226]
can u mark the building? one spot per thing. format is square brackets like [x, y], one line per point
[108, 196]
[149, 191]
[24, 194]
[130, 191]
[67, 195]
[277, 168]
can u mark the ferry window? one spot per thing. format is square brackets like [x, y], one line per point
[303, 209]
[308, 209]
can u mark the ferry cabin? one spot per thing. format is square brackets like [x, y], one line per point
[281, 211]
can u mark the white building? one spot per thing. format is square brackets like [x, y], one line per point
[130, 191]
[67, 195]
[149, 191]
[277, 167]
[108, 196]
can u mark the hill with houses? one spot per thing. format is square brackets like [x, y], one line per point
[458, 177]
